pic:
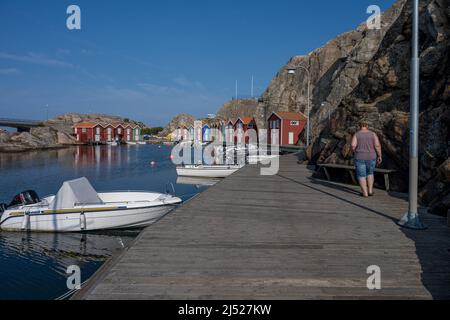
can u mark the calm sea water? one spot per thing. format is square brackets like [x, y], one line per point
[33, 265]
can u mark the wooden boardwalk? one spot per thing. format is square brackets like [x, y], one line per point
[287, 236]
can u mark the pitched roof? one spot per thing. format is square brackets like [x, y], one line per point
[86, 125]
[233, 121]
[246, 120]
[290, 115]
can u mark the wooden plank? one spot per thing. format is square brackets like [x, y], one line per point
[287, 236]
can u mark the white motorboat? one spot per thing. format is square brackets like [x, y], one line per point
[78, 207]
[141, 142]
[131, 143]
[215, 171]
[112, 143]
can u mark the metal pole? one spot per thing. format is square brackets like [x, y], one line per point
[411, 218]
[252, 86]
[309, 105]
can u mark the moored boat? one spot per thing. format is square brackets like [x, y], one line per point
[78, 207]
[214, 171]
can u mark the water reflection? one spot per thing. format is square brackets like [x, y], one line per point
[33, 265]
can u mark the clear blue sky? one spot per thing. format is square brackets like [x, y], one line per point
[150, 60]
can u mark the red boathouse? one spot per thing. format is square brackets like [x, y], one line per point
[241, 126]
[89, 132]
[290, 126]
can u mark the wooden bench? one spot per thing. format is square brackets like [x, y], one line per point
[351, 170]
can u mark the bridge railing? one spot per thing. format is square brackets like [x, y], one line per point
[9, 120]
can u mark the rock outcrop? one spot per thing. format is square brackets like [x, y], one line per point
[366, 74]
[180, 120]
[238, 108]
[37, 138]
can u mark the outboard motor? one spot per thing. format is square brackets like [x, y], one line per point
[25, 198]
[3, 208]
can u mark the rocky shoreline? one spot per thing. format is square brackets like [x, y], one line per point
[53, 134]
[39, 138]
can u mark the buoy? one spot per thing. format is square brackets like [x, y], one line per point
[152, 163]
[171, 157]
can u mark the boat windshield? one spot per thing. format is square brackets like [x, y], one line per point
[75, 192]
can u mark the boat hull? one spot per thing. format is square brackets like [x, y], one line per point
[87, 221]
[206, 172]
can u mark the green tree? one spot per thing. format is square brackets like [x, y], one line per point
[152, 131]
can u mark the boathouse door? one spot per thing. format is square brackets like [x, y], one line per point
[275, 137]
[291, 138]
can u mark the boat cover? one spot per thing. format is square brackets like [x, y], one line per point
[78, 191]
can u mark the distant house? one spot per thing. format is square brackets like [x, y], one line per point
[98, 133]
[88, 132]
[128, 133]
[119, 132]
[290, 126]
[222, 129]
[185, 134]
[191, 133]
[137, 133]
[229, 131]
[198, 134]
[242, 126]
[216, 131]
[206, 133]
[182, 134]
[109, 132]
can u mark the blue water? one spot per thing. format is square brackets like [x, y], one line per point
[33, 265]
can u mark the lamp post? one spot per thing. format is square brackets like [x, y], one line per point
[292, 70]
[411, 218]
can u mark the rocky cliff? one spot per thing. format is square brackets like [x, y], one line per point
[238, 108]
[365, 74]
[180, 120]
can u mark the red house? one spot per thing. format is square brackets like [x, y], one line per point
[290, 126]
[119, 132]
[128, 133]
[89, 132]
[109, 132]
[241, 127]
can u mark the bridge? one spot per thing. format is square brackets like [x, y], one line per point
[20, 124]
